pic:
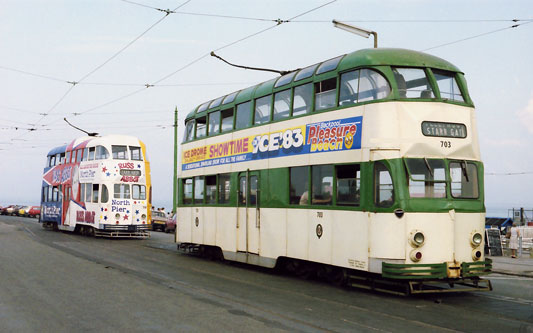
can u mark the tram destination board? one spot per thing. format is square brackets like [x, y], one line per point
[445, 130]
[494, 242]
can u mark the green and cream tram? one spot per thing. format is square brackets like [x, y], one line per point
[366, 165]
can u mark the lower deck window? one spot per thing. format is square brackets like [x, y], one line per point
[187, 191]
[464, 180]
[139, 192]
[122, 191]
[348, 185]
[383, 186]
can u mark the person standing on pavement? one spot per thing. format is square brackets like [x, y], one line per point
[513, 241]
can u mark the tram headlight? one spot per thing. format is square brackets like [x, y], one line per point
[476, 239]
[143, 216]
[417, 238]
[117, 216]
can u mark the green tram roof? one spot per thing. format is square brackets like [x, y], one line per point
[360, 58]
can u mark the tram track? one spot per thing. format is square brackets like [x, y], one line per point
[223, 298]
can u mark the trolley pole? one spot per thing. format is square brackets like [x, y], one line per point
[175, 179]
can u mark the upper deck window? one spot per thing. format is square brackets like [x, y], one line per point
[189, 130]
[92, 153]
[227, 120]
[230, 98]
[305, 73]
[448, 86]
[135, 153]
[361, 86]
[203, 107]
[282, 104]
[201, 127]
[216, 102]
[119, 152]
[262, 109]
[214, 123]
[303, 99]
[285, 79]
[412, 83]
[243, 119]
[329, 65]
[101, 153]
[325, 94]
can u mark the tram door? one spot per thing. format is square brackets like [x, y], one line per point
[248, 212]
[67, 193]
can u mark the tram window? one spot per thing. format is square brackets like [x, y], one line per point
[201, 127]
[227, 120]
[285, 79]
[464, 180]
[189, 130]
[243, 119]
[216, 102]
[101, 153]
[448, 86]
[262, 110]
[214, 123]
[67, 157]
[82, 192]
[88, 192]
[427, 178]
[50, 191]
[187, 191]
[412, 83]
[105, 194]
[135, 153]
[305, 73]
[223, 188]
[44, 192]
[52, 161]
[299, 186]
[91, 154]
[253, 190]
[211, 189]
[282, 104]
[203, 107]
[348, 185]
[48, 161]
[58, 159]
[303, 99]
[230, 98]
[139, 192]
[325, 94]
[328, 65]
[322, 184]
[242, 190]
[96, 193]
[85, 154]
[62, 159]
[122, 191]
[349, 87]
[119, 152]
[55, 194]
[198, 190]
[383, 186]
[372, 86]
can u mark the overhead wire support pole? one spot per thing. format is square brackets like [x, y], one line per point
[175, 179]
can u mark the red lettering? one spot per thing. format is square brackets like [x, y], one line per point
[353, 128]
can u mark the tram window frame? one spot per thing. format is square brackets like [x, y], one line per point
[421, 174]
[188, 195]
[88, 192]
[95, 193]
[243, 115]
[262, 109]
[322, 194]
[299, 185]
[189, 130]
[201, 127]
[67, 157]
[325, 90]
[62, 158]
[44, 192]
[305, 73]
[230, 98]
[199, 190]
[306, 97]
[120, 152]
[211, 189]
[342, 175]
[214, 122]
[104, 196]
[101, 153]
[58, 159]
[82, 192]
[135, 153]
[226, 120]
[380, 169]
[118, 192]
[85, 155]
[224, 188]
[138, 192]
[282, 98]
[50, 193]
[468, 172]
[406, 91]
[451, 77]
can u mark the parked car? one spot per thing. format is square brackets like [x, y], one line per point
[10, 210]
[171, 224]
[35, 211]
[23, 210]
[159, 220]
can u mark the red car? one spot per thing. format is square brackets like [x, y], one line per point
[34, 211]
[171, 224]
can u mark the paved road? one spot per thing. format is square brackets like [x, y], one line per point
[54, 281]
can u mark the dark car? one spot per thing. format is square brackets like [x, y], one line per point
[171, 224]
[159, 220]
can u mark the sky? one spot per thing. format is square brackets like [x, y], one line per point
[89, 61]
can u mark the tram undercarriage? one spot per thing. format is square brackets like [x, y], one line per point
[108, 232]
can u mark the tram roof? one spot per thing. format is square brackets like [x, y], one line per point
[57, 150]
[360, 58]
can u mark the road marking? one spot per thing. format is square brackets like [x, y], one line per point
[29, 231]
